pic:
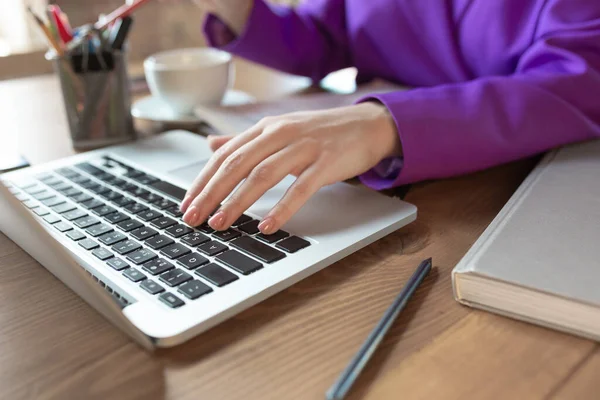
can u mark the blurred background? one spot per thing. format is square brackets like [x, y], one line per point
[158, 26]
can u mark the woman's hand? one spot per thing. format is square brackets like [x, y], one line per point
[319, 147]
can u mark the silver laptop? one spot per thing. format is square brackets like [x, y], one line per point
[107, 224]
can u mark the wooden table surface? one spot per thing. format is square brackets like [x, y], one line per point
[293, 345]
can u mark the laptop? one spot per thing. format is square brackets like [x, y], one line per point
[108, 225]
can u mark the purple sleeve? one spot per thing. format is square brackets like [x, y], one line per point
[308, 40]
[552, 99]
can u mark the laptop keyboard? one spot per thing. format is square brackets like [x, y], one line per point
[131, 221]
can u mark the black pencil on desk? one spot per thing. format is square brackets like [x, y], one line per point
[340, 388]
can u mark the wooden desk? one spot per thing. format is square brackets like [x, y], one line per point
[292, 346]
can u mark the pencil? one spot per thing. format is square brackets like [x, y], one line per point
[342, 386]
[49, 37]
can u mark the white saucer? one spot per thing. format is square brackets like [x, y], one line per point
[154, 109]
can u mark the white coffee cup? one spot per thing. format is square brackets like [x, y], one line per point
[186, 78]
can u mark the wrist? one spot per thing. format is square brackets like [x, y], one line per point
[384, 127]
[235, 13]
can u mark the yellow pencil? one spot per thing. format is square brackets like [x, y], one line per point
[51, 40]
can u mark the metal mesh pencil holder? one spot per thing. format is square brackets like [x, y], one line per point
[97, 100]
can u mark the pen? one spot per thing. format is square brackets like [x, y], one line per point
[61, 22]
[342, 386]
[51, 40]
[119, 33]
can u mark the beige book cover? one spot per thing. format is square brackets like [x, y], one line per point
[539, 259]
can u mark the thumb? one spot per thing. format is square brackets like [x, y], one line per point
[217, 141]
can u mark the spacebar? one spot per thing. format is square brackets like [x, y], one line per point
[168, 189]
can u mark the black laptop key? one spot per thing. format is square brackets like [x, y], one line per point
[102, 253]
[75, 235]
[51, 219]
[128, 187]
[61, 186]
[171, 300]
[194, 289]
[106, 177]
[52, 180]
[158, 242]
[40, 212]
[80, 179]
[99, 189]
[164, 204]
[151, 198]
[88, 244]
[117, 264]
[149, 215]
[292, 244]
[30, 204]
[122, 201]
[145, 179]
[135, 207]
[239, 262]
[134, 275]
[143, 233]
[163, 222]
[89, 168]
[249, 227]
[103, 210]
[139, 192]
[257, 249]
[35, 189]
[205, 228]
[275, 237]
[72, 192]
[112, 238]
[128, 246]
[141, 256]
[157, 266]
[63, 226]
[178, 231]
[242, 220]
[151, 287]
[98, 230]
[80, 198]
[194, 239]
[66, 171]
[65, 190]
[43, 195]
[63, 208]
[86, 222]
[174, 251]
[169, 189]
[227, 235]
[132, 173]
[111, 195]
[53, 201]
[175, 277]
[212, 248]
[174, 212]
[192, 261]
[129, 225]
[216, 274]
[94, 203]
[116, 217]
[74, 214]
[89, 185]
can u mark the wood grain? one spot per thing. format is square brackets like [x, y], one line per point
[294, 345]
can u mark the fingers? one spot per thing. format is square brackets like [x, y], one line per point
[213, 164]
[229, 174]
[215, 142]
[263, 177]
[295, 197]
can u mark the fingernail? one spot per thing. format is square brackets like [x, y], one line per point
[266, 226]
[191, 216]
[184, 204]
[217, 220]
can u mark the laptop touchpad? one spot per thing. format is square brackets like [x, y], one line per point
[188, 173]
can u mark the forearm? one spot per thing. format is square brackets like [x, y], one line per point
[308, 40]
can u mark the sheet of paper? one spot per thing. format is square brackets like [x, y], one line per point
[236, 119]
